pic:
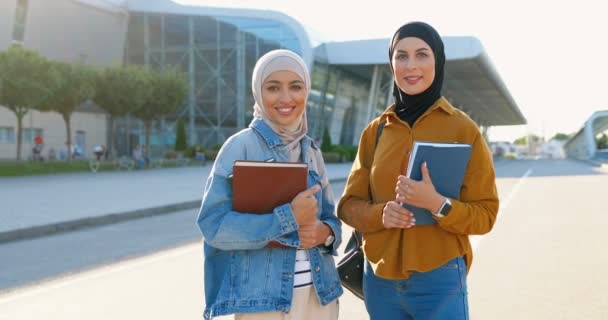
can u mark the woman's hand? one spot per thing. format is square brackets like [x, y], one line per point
[421, 194]
[304, 206]
[396, 216]
[312, 235]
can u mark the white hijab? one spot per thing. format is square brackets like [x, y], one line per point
[279, 60]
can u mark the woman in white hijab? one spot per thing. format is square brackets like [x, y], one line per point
[277, 265]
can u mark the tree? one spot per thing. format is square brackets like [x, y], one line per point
[180, 136]
[524, 140]
[115, 92]
[75, 83]
[602, 141]
[24, 77]
[326, 142]
[561, 136]
[167, 92]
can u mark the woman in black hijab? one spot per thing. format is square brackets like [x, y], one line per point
[409, 107]
[416, 266]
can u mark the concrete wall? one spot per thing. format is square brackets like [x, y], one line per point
[70, 31]
[7, 17]
[583, 144]
[94, 126]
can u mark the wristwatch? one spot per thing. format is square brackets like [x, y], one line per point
[329, 241]
[444, 210]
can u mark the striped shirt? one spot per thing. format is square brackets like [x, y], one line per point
[302, 277]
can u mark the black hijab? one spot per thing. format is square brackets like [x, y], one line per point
[410, 107]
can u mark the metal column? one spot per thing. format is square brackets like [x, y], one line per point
[146, 41]
[240, 80]
[191, 93]
[372, 95]
[389, 93]
[218, 90]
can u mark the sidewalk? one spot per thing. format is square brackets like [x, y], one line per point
[39, 205]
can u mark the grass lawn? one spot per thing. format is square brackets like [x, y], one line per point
[29, 168]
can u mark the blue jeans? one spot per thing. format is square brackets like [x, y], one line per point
[435, 295]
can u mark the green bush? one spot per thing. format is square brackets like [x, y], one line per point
[347, 153]
[171, 155]
[326, 142]
[211, 154]
[28, 168]
[180, 136]
[332, 157]
[190, 151]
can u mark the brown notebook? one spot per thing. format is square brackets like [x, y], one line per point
[259, 187]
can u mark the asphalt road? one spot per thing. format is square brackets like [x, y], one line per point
[543, 260]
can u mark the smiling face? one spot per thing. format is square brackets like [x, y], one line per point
[284, 97]
[413, 64]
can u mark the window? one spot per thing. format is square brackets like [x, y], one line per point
[7, 135]
[20, 19]
[28, 135]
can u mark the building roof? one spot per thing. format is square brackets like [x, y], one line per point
[471, 82]
[172, 7]
[119, 6]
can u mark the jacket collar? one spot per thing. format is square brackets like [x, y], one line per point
[272, 139]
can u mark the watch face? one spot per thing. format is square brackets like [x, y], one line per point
[445, 209]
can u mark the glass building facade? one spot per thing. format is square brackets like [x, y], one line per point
[20, 19]
[344, 98]
[218, 55]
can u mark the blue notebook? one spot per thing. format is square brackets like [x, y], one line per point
[447, 163]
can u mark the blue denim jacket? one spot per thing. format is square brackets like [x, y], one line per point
[241, 274]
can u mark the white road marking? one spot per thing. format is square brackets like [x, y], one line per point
[98, 273]
[475, 240]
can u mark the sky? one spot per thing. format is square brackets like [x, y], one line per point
[552, 57]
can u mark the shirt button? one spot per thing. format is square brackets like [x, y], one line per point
[317, 269]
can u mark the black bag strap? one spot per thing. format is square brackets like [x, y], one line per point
[380, 128]
[356, 234]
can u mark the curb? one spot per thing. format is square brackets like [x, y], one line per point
[90, 222]
[592, 162]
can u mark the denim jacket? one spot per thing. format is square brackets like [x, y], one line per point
[241, 274]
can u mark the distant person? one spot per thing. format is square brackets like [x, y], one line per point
[138, 157]
[37, 153]
[37, 148]
[73, 150]
[246, 273]
[77, 151]
[64, 151]
[38, 139]
[198, 154]
[99, 152]
[417, 272]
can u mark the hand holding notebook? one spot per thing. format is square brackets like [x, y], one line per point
[446, 163]
[304, 206]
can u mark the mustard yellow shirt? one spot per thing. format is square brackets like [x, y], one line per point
[395, 253]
